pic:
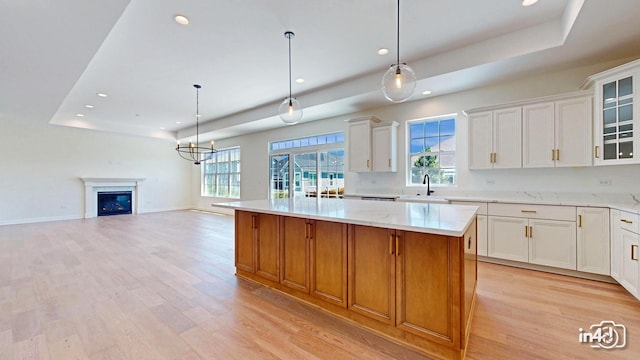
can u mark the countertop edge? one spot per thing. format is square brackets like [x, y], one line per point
[380, 224]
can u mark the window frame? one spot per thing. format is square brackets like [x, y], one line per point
[409, 154]
[216, 174]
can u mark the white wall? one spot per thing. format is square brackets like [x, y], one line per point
[254, 147]
[40, 166]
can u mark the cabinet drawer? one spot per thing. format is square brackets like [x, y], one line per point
[482, 206]
[565, 213]
[629, 221]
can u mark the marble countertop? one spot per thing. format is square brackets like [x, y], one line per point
[622, 201]
[441, 219]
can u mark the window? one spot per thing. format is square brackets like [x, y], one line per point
[432, 150]
[221, 174]
[317, 167]
[308, 141]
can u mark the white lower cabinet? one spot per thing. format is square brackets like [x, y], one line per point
[481, 221]
[625, 250]
[630, 270]
[616, 245]
[537, 234]
[552, 243]
[507, 238]
[593, 245]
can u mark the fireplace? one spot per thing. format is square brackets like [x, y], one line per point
[114, 203]
[93, 186]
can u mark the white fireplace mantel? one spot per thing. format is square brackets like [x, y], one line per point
[94, 185]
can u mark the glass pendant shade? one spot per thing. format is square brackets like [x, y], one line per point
[290, 111]
[398, 83]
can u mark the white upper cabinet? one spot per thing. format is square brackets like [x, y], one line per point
[384, 147]
[557, 133]
[538, 140]
[617, 94]
[372, 145]
[495, 139]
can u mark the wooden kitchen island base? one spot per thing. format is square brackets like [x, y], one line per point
[414, 287]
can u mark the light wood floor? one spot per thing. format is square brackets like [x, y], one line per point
[161, 286]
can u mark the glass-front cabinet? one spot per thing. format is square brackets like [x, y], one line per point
[616, 115]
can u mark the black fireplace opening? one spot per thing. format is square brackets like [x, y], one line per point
[114, 203]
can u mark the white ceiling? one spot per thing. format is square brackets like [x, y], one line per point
[56, 55]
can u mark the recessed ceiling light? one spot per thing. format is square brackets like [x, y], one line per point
[300, 81]
[528, 2]
[89, 106]
[102, 95]
[426, 92]
[181, 19]
[177, 122]
[80, 115]
[162, 128]
[383, 51]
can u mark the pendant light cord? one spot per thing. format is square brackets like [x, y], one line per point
[289, 37]
[197, 113]
[398, 37]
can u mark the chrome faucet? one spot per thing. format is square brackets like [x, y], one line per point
[427, 182]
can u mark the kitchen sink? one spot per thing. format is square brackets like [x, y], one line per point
[423, 198]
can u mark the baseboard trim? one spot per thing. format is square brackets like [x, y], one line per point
[40, 220]
[548, 269]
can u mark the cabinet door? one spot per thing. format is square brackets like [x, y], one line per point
[538, 144]
[593, 240]
[480, 140]
[629, 276]
[359, 150]
[384, 148]
[552, 243]
[329, 261]
[507, 238]
[424, 289]
[267, 249]
[507, 138]
[482, 235]
[372, 272]
[245, 225]
[616, 245]
[616, 123]
[295, 253]
[573, 132]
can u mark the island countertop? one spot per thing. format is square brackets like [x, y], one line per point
[440, 219]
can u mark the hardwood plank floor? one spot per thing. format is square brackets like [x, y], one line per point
[161, 286]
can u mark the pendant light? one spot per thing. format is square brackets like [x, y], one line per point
[290, 110]
[399, 82]
[194, 152]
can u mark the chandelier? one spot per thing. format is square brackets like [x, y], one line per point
[194, 152]
[399, 82]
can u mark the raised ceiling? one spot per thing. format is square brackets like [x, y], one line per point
[58, 54]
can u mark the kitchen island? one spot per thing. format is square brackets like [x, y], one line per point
[405, 270]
